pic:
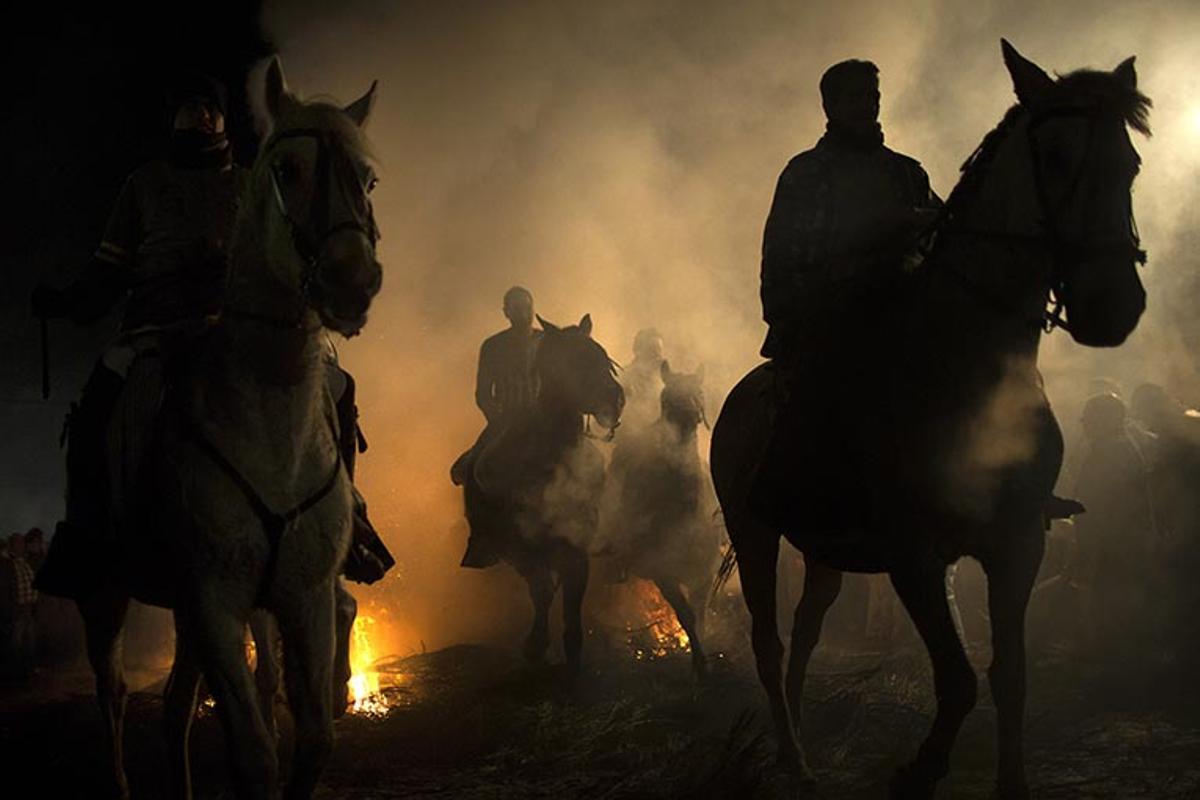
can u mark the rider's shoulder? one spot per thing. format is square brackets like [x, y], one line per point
[807, 166]
[907, 162]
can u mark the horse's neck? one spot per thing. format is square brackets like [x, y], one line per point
[986, 315]
[560, 425]
[262, 378]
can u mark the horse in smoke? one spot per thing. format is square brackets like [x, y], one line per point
[535, 489]
[659, 507]
[244, 501]
[933, 437]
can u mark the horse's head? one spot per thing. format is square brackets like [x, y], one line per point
[315, 173]
[683, 398]
[1071, 150]
[574, 370]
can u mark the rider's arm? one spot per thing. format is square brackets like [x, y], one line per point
[794, 237]
[485, 382]
[106, 279]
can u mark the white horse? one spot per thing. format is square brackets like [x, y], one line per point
[252, 504]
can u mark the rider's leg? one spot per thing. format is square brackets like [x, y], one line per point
[70, 568]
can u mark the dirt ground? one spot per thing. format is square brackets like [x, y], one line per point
[475, 722]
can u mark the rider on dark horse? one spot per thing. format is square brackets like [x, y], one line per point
[164, 251]
[504, 387]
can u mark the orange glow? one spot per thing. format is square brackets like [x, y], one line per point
[656, 633]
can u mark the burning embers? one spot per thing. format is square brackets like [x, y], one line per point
[656, 632]
[367, 696]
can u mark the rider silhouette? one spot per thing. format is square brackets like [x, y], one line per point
[642, 381]
[164, 250]
[504, 387]
[844, 213]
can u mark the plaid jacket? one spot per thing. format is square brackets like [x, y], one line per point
[800, 250]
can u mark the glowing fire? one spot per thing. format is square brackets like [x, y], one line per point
[658, 634]
[368, 696]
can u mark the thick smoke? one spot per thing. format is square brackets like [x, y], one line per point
[620, 160]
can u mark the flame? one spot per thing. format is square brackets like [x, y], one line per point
[369, 685]
[658, 634]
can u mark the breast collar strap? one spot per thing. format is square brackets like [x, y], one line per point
[275, 524]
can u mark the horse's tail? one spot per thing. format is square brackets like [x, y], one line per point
[725, 571]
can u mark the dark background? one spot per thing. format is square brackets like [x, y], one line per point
[84, 106]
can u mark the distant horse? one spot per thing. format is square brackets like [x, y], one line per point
[935, 439]
[659, 507]
[251, 504]
[535, 489]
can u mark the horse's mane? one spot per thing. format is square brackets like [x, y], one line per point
[1088, 88]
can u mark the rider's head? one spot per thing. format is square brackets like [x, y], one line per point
[518, 307]
[197, 102]
[1104, 416]
[850, 94]
[648, 346]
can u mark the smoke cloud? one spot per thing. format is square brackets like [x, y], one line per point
[620, 160]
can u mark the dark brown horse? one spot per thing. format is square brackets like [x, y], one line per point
[535, 489]
[934, 439]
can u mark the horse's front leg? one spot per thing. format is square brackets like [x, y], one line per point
[217, 616]
[573, 567]
[307, 623]
[922, 590]
[103, 614]
[345, 611]
[541, 594]
[1010, 580]
[266, 666]
[179, 708]
[672, 592]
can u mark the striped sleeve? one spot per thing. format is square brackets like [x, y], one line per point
[123, 231]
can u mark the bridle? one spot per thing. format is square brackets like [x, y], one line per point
[1064, 251]
[309, 239]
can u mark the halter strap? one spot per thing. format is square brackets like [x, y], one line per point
[1050, 236]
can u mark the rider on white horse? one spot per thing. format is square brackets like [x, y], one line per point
[164, 250]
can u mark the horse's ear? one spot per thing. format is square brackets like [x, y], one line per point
[274, 88]
[700, 372]
[546, 325]
[1030, 81]
[360, 109]
[1126, 74]
[665, 371]
[585, 325]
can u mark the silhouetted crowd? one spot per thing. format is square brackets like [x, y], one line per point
[35, 630]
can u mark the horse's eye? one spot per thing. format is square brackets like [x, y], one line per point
[372, 183]
[285, 170]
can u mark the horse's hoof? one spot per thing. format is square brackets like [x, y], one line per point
[797, 768]
[911, 783]
[535, 651]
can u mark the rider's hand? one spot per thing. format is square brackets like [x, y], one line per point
[48, 302]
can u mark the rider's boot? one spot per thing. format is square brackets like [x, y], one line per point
[368, 558]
